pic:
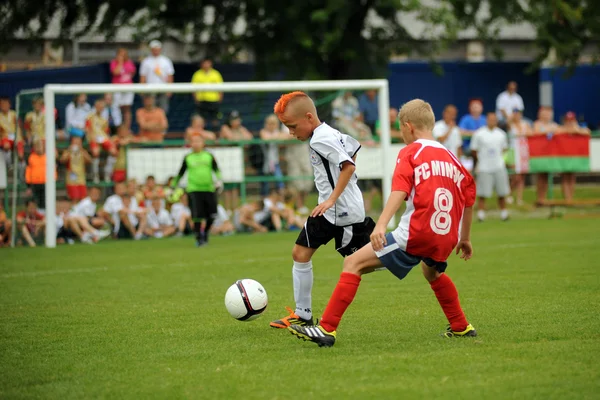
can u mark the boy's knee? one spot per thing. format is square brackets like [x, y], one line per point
[351, 264]
[302, 254]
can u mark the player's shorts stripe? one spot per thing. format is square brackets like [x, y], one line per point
[306, 232]
[387, 250]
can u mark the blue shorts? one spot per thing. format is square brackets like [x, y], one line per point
[76, 132]
[399, 262]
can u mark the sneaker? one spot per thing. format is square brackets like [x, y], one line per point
[292, 319]
[469, 331]
[102, 234]
[316, 334]
[87, 238]
[200, 243]
[138, 236]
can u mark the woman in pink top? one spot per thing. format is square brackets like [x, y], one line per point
[123, 71]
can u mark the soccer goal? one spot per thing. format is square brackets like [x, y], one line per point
[375, 161]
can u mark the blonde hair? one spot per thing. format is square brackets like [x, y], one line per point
[419, 113]
[271, 117]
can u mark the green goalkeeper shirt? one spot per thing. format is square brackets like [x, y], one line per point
[200, 167]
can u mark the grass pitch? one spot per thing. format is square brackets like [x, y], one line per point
[147, 320]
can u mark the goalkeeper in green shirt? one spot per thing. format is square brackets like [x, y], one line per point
[201, 188]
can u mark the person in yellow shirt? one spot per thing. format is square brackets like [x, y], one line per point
[10, 136]
[34, 121]
[208, 103]
[97, 130]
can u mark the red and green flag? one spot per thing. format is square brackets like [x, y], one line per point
[559, 153]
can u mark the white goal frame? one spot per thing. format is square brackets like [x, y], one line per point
[50, 90]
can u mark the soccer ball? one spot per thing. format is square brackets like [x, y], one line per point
[246, 299]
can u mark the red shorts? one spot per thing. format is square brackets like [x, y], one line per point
[107, 145]
[120, 175]
[76, 192]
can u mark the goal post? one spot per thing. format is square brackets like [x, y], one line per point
[51, 90]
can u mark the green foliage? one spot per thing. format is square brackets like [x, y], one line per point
[146, 320]
[313, 38]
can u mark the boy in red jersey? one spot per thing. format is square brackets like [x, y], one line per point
[439, 195]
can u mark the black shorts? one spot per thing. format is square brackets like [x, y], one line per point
[203, 205]
[124, 233]
[348, 239]
[64, 233]
[209, 110]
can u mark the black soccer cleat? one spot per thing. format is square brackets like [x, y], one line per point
[315, 334]
[469, 331]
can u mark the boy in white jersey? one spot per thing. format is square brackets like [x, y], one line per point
[439, 194]
[340, 214]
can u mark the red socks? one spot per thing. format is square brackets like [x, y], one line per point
[447, 296]
[340, 300]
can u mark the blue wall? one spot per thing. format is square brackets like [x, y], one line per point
[461, 82]
[579, 93]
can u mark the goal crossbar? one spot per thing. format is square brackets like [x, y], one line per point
[50, 90]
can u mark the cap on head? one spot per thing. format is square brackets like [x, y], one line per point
[155, 44]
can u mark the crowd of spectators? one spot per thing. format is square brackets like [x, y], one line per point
[489, 143]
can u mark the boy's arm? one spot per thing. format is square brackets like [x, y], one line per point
[348, 169]
[393, 204]
[464, 244]
[180, 174]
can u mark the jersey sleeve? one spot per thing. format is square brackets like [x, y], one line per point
[469, 191]
[332, 150]
[404, 176]
[352, 145]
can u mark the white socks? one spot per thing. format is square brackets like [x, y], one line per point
[504, 214]
[480, 215]
[96, 168]
[303, 281]
[108, 168]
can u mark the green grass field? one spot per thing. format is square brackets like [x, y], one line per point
[147, 320]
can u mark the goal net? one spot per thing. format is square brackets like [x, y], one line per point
[250, 166]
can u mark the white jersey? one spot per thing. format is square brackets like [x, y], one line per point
[85, 208]
[113, 205]
[157, 219]
[329, 149]
[178, 210]
[490, 145]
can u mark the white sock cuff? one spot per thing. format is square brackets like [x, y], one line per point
[300, 266]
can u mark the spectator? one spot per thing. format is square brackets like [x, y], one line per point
[112, 205]
[123, 138]
[544, 125]
[123, 71]
[75, 157]
[136, 193]
[132, 220]
[297, 157]
[151, 120]
[196, 128]
[35, 174]
[112, 113]
[156, 69]
[487, 146]
[369, 108]
[35, 128]
[271, 133]
[84, 221]
[9, 134]
[31, 223]
[447, 133]
[5, 227]
[568, 179]
[87, 208]
[508, 101]
[207, 103]
[182, 215]
[76, 115]
[470, 122]
[222, 225]
[518, 157]
[152, 191]
[347, 117]
[97, 135]
[394, 126]
[159, 222]
[252, 217]
[233, 129]
[64, 234]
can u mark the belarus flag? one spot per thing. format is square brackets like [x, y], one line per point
[560, 153]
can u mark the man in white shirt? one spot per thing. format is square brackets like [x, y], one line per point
[159, 222]
[156, 69]
[340, 214]
[487, 148]
[447, 132]
[507, 101]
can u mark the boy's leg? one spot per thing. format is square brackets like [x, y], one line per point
[447, 296]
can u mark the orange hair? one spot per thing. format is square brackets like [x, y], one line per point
[285, 99]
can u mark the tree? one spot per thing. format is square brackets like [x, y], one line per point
[313, 38]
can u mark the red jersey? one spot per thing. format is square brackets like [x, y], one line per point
[29, 219]
[439, 188]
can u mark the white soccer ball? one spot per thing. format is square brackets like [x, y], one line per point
[246, 299]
